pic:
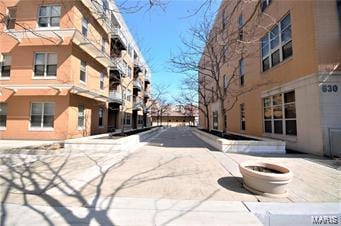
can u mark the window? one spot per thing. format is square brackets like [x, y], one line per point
[225, 83]
[129, 94]
[101, 81]
[3, 115]
[103, 45]
[105, 6]
[127, 117]
[276, 45]
[45, 65]
[223, 19]
[215, 119]
[5, 69]
[225, 120]
[11, 18]
[49, 16]
[81, 116]
[85, 27]
[82, 76]
[124, 93]
[42, 115]
[100, 117]
[280, 114]
[129, 72]
[241, 24]
[264, 4]
[242, 117]
[241, 72]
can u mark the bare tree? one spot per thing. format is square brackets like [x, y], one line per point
[159, 105]
[216, 46]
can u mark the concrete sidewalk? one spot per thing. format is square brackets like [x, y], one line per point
[175, 179]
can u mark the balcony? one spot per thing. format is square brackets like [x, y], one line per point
[115, 96]
[118, 68]
[119, 42]
[146, 94]
[137, 85]
[137, 103]
[147, 78]
[60, 36]
[138, 66]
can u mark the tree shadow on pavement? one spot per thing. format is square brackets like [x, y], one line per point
[34, 180]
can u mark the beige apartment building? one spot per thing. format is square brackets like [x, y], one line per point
[68, 69]
[288, 74]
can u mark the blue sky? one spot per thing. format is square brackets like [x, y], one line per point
[158, 33]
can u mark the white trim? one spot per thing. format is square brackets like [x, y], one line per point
[41, 128]
[2, 128]
[45, 76]
[49, 16]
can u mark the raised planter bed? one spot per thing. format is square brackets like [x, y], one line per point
[245, 145]
[105, 142]
[266, 179]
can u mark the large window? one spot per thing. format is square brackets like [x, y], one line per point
[85, 27]
[242, 117]
[5, 64]
[49, 16]
[3, 115]
[81, 117]
[45, 65]
[100, 117]
[280, 114]
[241, 71]
[42, 115]
[82, 76]
[276, 45]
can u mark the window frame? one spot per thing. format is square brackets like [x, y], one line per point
[279, 47]
[267, 3]
[83, 68]
[242, 117]
[241, 71]
[85, 29]
[42, 128]
[101, 117]
[284, 119]
[2, 65]
[49, 16]
[101, 81]
[44, 76]
[5, 109]
[79, 106]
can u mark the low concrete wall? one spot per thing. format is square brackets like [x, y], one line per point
[100, 143]
[268, 146]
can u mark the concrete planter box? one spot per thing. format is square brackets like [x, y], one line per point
[261, 146]
[266, 179]
[99, 143]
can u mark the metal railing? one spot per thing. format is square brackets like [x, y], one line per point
[115, 96]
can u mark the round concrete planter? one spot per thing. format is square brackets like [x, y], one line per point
[265, 178]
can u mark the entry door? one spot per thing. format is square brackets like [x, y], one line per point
[335, 142]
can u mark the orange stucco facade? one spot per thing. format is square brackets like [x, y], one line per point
[70, 45]
[313, 64]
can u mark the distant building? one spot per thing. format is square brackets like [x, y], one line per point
[296, 47]
[173, 116]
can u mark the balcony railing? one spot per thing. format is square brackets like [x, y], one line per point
[138, 65]
[116, 33]
[137, 84]
[118, 65]
[137, 103]
[147, 78]
[115, 96]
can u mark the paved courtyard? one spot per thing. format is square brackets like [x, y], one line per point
[175, 179]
